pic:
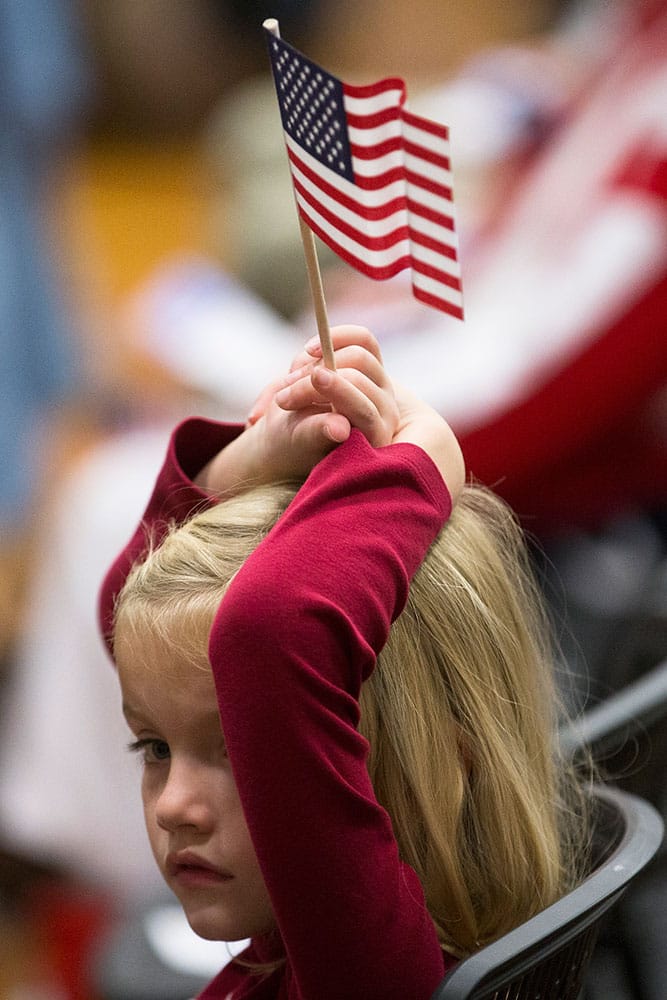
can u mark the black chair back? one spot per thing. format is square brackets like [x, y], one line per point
[546, 958]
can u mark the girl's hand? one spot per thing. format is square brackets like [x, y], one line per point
[358, 394]
[420, 424]
[297, 420]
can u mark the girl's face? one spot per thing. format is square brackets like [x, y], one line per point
[195, 823]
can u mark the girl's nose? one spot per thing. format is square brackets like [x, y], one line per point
[184, 800]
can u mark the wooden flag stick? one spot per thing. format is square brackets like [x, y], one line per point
[317, 293]
[312, 264]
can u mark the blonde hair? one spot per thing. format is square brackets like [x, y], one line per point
[460, 713]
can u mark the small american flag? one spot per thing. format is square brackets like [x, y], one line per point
[371, 179]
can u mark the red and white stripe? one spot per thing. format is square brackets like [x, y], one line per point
[399, 212]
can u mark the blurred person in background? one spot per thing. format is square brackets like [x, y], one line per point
[45, 96]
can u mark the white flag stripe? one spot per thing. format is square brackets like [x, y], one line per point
[373, 227]
[375, 104]
[396, 129]
[434, 231]
[373, 168]
[436, 288]
[428, 170]
[372, 136]
[430, 200]
[371, 258]
[369, 199]
[437, 260]
[420, 137]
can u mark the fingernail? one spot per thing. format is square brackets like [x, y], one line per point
[313, 346]
[323, 377]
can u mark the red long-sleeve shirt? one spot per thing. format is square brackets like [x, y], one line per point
[294, 638]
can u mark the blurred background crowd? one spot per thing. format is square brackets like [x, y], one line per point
[150, 267]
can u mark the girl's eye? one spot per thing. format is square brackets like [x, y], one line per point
[153, 751]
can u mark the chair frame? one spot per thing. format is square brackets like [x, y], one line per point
[558, 942]
[631, 711]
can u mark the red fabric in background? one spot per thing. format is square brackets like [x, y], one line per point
[591, 439]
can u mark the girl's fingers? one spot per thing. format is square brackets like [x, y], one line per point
[354, 363]
[371, 409]
[302, 359]
[346, 336]
[317, 435]
[352, 357]
[354, 347]
[259, 407]
[336, 427]
[267, 394]
[321, 388]
[358, 393]
[357, 358]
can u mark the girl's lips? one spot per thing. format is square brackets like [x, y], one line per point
[190, 869]
[198, 877]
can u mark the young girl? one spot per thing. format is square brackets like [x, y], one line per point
[365, 801]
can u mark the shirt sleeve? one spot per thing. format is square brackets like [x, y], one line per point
[295, 637]
[175, 497]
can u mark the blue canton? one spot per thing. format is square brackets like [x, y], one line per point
[311, 107]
